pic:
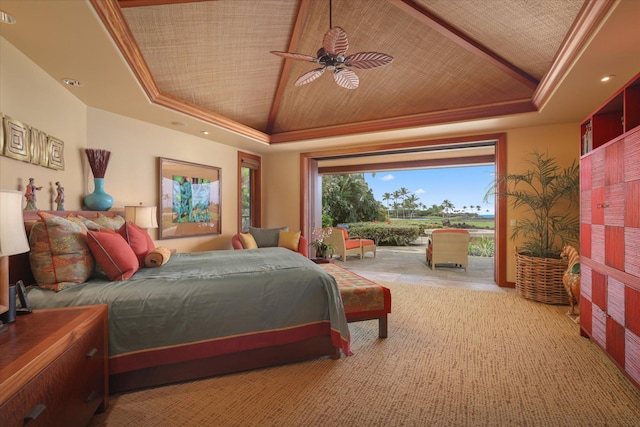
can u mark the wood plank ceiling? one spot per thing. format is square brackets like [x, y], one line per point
[453, 59]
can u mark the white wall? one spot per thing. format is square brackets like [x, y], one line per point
[30, 95]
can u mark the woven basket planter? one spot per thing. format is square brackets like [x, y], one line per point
[540, 279]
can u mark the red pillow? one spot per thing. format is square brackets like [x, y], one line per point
[138, 239]
[113, 254]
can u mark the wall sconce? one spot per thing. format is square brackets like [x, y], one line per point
[13, 241]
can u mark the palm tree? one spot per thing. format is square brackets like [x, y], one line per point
[404, 192]
[447, 206]
[386, 197]
[411, 203]
[396, 196]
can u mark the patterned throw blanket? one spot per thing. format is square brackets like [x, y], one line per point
[359, 295]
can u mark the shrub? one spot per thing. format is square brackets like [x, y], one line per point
[483, 246]
[385, 234]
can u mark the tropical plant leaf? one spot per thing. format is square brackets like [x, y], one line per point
[367, 60]
[335, 42]
[346, 78]
[310, 76]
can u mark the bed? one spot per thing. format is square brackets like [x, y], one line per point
[210, 313]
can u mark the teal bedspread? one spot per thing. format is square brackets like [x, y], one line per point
[204, 296]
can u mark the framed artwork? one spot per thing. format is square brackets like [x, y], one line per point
[56, 153]
[189, 199]
[16, 139]
[39, 148]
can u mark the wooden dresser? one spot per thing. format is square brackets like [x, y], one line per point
[54, 367]
[610, 228]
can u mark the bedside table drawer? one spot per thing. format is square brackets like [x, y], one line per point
[68, 391]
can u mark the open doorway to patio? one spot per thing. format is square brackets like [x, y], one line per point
[478, 150]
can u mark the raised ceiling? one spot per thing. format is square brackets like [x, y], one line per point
[459, 59]
[460, 67]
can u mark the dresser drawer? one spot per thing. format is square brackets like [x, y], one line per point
[68, 391]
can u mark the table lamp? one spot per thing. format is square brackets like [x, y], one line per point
[13, 241]
[142, 216]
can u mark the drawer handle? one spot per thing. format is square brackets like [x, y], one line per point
[34, 413]
[92, 397]
[92, 353]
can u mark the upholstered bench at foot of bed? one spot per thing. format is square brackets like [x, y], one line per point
[362, 298]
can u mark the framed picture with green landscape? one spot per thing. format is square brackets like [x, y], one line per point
[189, 199]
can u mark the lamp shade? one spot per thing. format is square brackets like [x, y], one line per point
[142, 216]
[13, 239]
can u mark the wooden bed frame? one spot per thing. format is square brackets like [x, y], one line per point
[311, 348]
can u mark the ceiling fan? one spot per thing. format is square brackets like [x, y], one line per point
[331, 57]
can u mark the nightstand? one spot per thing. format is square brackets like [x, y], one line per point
[54, 367]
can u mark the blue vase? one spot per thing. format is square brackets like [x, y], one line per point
[98, 200]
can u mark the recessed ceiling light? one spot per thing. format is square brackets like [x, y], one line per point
[5, 18]
[178, 124]
[204, 132]
[72, 82]
[607, 78]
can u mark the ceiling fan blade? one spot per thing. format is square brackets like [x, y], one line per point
[297, 56]
[309, 76]
[335, 41]
[346, 78]
[367, 60]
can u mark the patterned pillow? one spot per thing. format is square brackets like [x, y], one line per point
[87, 223]
[59, 257]
[112, 223]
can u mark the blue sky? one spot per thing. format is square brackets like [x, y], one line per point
[463, 186]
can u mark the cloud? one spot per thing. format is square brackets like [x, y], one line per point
[387, 177]
[419, 191]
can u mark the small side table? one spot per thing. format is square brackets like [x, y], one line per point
[323, 260]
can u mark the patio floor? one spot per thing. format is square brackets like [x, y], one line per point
[408, 264]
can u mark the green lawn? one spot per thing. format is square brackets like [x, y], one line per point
[485, 223]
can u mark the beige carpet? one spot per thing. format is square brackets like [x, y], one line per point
[453, 358]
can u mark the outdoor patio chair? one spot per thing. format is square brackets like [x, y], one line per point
[448, 247]
[343, 245]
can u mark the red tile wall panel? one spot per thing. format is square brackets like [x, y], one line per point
[632, 355]
[597, 205]
[632, 156]
[585, 206]
[599, 289]
[615, 341]
[586, 279]
[586, 315]
[631, 251]
[632, 309]
[615, 300]
[597, 169]
[614, 164]
[585, 240]
[614, 205]
[632, 204]
[614, 247]
[597, 243]
[585, 173]
[599, 326]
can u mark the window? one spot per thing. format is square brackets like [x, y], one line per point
[249, 191]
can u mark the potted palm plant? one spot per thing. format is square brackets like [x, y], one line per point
[546, 194]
